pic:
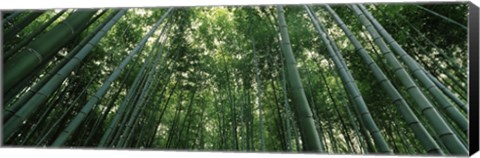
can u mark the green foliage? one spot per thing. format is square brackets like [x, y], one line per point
[203, 93]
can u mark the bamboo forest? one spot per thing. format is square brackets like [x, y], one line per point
[329, 79]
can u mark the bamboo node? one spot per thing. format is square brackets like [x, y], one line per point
[38, 55]
[69, 26]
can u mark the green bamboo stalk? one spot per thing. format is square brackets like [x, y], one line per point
[156, 121]
[100, 122]
[304, 113]
[65, 112]
[362, 142]
[20, 88]
[380, 142]
[34, 103]
[62, 138]
[453, 143]
[434, 80]
[127, 107]
[30, 37]
[259, 95]
[443, 17]
[232, 106]
[107, 136]
[168, 80]
[315, 110]
[11, 17]
[445, 104]
[44, 65]
[422, 134]
[173, 127]
[8, 112]
[330, 94]
[286, 105]
[18, 27]
[140, 104]
[278, 119]
[442, 87]
[460, 74]
[448, 92]
[41, 49]
[116, 130]
[450, 63]
[40, 119]
[152, 139]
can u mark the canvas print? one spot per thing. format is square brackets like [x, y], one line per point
[329, 79]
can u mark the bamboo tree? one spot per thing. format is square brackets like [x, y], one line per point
[330, 94]
[37, 70]
[380, 142]
[163, 111]
[33, 104]
[232, 106]
[285, 104]
[442, 87]
[153, 73]
[443, 17]
[40, 119]
[43, 48]
[11, 17]
[105, 113]
[435, 81]
[108, 134]
[362, 142]
[286, 115]
[279, 121]
[447, 92]
[451, 141]
[64, 113]
[304, 113]
[427, 141]
[30, 37]
[259, 96]
[88, 107]
[445, 104]
[450, 63]
[8, 112]
[181, 94]
[19, 26]
[157, 121]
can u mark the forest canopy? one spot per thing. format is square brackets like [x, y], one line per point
[354, 79]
